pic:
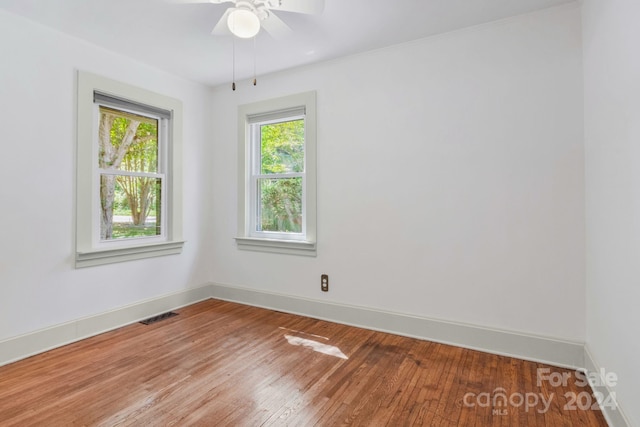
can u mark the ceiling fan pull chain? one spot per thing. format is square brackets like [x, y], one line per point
[254, 61]
[233, 67]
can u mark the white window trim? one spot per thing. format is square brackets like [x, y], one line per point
[245, 238]
[88, 251]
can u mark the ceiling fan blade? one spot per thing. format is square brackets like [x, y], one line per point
[276, 27]
[199, 1]
[221, 28]
[188, 1]
[310, 7]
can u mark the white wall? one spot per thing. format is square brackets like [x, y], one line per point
[612, 146]
[39, 286]
[451, 182]
[450, 179]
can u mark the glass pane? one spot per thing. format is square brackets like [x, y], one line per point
[280, 202]
[282, 147]
[127, 141]
[130, 206]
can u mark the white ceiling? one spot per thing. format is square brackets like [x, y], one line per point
[176, 37]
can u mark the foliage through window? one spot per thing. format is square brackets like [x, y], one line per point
[279, 176]
[131, 177]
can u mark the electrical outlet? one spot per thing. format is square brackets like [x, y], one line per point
[324, 283]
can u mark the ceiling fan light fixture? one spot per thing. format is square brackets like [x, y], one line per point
[243, 23]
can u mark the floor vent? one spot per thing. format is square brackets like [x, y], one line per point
[158, 318]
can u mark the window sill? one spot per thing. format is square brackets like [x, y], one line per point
[289, 247]
[111, 256]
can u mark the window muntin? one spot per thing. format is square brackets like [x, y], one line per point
[130, 169]
[278, 178]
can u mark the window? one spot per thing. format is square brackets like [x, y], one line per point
[277, 149]
[128, 202]
[130, 170]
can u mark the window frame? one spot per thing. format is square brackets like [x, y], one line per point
[163, 122]
[255, 174]
[90, 249]
[275, 110]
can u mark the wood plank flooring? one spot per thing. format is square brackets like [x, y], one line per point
[224, 364]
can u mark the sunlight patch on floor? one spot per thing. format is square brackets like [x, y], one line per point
[330, 350]
[303, 333]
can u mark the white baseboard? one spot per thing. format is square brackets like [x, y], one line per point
[529, 347]
[23, 346]
[614, 415]
[547, 350]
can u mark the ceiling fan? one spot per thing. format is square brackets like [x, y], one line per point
[246, 17]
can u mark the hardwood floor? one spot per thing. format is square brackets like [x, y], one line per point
[224, 364]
